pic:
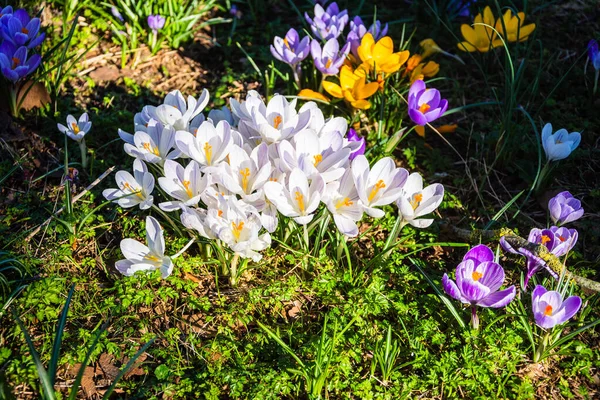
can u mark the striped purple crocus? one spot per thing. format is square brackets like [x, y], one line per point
[550, 310]
[478, 282]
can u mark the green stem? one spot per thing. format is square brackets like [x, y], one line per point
[68, 204]
[539, 353]
[83, 150]
[474, 318]
[400, 223]
[13, 101]
[173, 224]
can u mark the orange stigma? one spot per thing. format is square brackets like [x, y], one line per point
[378, 186]
[476, 276]
[277, 121]
[545, 239]
[548, 310]
[424, 108]
[416, 201]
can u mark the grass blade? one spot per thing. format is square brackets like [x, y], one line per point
[47, 388]
[58, 338]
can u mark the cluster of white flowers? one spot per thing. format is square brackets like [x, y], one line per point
[232, 173]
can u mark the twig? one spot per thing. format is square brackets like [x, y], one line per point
[552, 262]
[80, 195]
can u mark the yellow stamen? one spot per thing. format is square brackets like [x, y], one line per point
[545, 239]
[151, 258]
[287, 44]
[237, 229]
[127, 186]
[562, 239]
[476, 276]
[318, 159]
[328, 63]
[345, 202]
[151, 149]
[208, 153]
[300, 199]
[25, 30]
[548, 310]
[186, 185]
[416, 201]
[378, 186]
[277, 121]
[272, 179]
[15, 62]
[220, 213]
[75, 128]
[245, 173]
[424, 108]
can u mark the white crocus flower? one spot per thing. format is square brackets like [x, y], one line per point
[139, 257]
[154, 145]
[343, 202]
[133, 190]
[279, 120]
[322, 155]
[195, 218]
[76, 130]
[268, 214]
[245, 175]
[560, 144]
[222, 114]
[298, 200]
[178, 113]
[239, 227]
[209, 146]
[378, 186]
[184, 184]
[416, 201]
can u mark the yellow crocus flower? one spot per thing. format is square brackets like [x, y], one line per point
[425, 70]
[429, 47]
[479, 37]
[515, 31]
[380, 56]
[352, 88]
[311, 94]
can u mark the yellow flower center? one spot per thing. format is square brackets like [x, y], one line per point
[545, 239]
[186, 185]
[220, 213]
[476, 276]
[328, 63]
[75, 128]
[561, 238]
[237, 229]
[127, 186]
[277, 121]
[416, 201]
[345, 202]
[208, 153]
[378, 186]
[151, 149]
[287, 44]
[15, 62]
[424, 108]
[318, 159]
[245, 173]
[548, 310]
[300, 200]
[25, 30]
[151, 258]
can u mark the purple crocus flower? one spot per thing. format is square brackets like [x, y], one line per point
[478, 280]
[358, 30]
[5, 14]
[329, 59]
[14, 63]
[115, 12]
[352, 136]
[290, 50]
[558, 241]
[156, 22]
[564, 208]
[328, 23]
[550, 310]
[594, 54]
[22, 30]
[425, 105]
